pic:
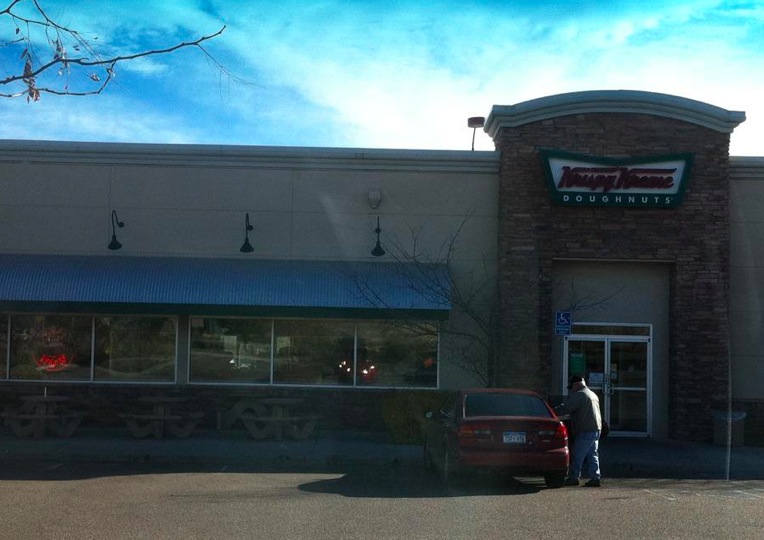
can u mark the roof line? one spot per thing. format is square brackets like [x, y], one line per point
[275, 157]
[613, 101]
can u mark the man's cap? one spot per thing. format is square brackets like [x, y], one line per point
[574, 379]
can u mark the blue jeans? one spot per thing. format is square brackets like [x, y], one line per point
[585, 445]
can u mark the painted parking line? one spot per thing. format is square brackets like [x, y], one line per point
[750, 495]
[653, 492]
[716, 491]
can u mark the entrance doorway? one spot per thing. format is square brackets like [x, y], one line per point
[616, 361]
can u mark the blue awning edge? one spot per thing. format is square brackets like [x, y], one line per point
[238, 286]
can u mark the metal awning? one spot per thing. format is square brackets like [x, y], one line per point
[200, 286]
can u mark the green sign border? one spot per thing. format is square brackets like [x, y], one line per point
[608, 199]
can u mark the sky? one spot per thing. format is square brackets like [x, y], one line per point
[370, 74]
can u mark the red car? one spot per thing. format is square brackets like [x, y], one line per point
[501, 430]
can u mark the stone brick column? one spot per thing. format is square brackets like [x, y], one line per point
[693, 238]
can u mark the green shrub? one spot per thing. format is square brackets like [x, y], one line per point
[403, 412]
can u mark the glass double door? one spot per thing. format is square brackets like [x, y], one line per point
[617, 369]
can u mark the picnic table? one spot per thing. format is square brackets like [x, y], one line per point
[39, 414]
[162, 415]
[271, 418]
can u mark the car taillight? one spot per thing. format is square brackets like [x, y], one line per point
[560, 433]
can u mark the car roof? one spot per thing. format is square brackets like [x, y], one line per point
[519, 391]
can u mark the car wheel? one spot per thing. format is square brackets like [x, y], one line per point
[555, 479]
[427, 458]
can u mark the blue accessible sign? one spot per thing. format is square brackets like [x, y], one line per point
[563, 323]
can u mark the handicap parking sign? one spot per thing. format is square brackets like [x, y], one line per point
[563, 323]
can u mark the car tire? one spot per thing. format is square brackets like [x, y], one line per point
[429, 465]
[554, 479]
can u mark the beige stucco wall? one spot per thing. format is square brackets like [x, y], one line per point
[303, 203]
[747, 277]
[312, 203]
[191, 201]
[613, 293]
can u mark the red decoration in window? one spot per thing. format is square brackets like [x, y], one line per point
[53, 361]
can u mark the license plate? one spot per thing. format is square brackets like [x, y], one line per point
[514, 437]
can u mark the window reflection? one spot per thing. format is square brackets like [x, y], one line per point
[135, 348]
[314, 352]
[50, 347]
[327, 352]
[402, 354]
[230, 350]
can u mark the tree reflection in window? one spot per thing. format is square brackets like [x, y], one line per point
[314, 352]
[230, 350]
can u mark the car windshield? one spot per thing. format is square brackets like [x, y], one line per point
[487, 404]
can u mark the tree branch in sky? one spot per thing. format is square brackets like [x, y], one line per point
[67, 53]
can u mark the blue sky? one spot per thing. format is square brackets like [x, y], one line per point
[393, 74]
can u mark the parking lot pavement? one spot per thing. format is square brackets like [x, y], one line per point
[332, 450]
[620, 457]
[664, 458]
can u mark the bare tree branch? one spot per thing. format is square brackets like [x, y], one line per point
[583, 304]
[473, 327]
[68, 50]
[472, 341]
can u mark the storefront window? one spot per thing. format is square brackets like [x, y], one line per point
[135, 349]
[50, 347]
[314, 352]
[397, 354]
[250, 351]
[320, 352]
[230, 350]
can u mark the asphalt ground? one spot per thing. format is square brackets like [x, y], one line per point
[332, 451]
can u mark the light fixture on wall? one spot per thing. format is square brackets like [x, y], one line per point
[375, 197]
[378, 251]
[115, 222]
[475, 122]
[246, 247]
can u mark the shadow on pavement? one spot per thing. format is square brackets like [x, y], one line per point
[417, 483]
[353, 482]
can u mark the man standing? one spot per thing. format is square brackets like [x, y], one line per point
[583, 407]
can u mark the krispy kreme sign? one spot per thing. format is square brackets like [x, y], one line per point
[649, 182]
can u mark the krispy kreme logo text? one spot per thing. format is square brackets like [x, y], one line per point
[607, 179]
[646, 182]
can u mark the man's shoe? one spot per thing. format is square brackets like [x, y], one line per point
[572, 482]
[593, 483]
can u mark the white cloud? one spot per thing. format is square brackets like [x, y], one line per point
[403, 73]
[112, 120]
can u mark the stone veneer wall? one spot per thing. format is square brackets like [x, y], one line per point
[754, 421]
[533, 232]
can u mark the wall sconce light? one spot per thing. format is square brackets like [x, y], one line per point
[375, 197]
[378, 251]
[115, 222]
[246, 247]
[475, 122]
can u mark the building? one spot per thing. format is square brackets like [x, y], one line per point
[609, 234]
